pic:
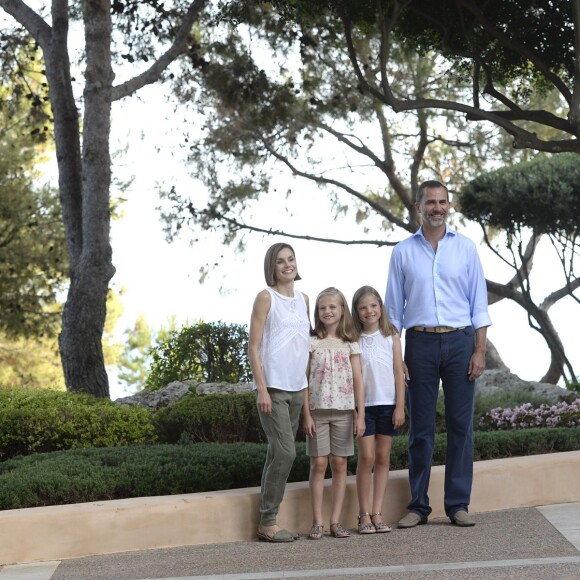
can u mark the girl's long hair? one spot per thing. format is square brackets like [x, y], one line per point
[346, 329]
[385, 325]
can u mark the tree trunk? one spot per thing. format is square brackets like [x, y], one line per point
[85, 177]
[83, 320]
[84, 185]
[545, 328]
[493, 360]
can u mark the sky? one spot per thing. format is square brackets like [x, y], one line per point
[161, 280]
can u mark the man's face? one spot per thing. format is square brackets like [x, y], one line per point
[434, 206]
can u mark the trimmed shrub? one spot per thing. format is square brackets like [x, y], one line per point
[41, 421]
[228, 418]
[205, 352]
[85, 475]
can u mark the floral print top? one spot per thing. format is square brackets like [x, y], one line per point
[330, 384]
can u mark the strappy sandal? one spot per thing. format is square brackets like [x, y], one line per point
[338, 531]
[380, 527]
[316, 532]
[369, 527]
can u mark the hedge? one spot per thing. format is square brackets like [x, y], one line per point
[85, 475]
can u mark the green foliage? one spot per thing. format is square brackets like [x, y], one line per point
[301, 108]
[85, 475]
[99, 474]
[42, 421]
[456, 29]
[211, 418]
[543, 194]
[205, 352]
[33, 260]
[573, 385]
[132, 362]
[30, 363]
[135, 357]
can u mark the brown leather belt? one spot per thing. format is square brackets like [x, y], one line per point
[438, 329]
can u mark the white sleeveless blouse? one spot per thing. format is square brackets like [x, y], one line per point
[377, 369]
[284, 346]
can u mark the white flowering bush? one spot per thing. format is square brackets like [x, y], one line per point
[561, 414]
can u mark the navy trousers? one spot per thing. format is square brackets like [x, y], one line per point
[433, 359]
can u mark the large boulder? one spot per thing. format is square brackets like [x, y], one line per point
[174, 391]
[496, 381]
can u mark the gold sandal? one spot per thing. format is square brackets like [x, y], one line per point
[316, 532]
[380, 527]
[369, 527]
[338, 531]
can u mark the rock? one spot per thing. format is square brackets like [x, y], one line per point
[493, 360]
[223, 388]
[161, 398]
[496, 381]
[492, 381]
[176, 390]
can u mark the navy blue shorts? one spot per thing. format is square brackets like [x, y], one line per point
[379, 420]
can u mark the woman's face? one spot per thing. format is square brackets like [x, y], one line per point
[285, 270]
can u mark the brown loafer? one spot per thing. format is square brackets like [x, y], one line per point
[411, 520]
[462, 519]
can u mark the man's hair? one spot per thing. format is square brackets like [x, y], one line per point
[427, 185]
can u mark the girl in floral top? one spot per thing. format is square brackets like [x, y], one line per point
[334, 391]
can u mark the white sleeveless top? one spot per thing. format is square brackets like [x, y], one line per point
[377, 369]
[284, 346]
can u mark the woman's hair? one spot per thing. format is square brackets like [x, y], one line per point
[346, 329]
[385, 325]
[270, 262]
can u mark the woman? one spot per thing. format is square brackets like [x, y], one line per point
[278, 353]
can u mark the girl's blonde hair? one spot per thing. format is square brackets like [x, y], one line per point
[385, 325]
[346, 329]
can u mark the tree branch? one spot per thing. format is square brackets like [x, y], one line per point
[236, 225]
[154, 72]
[381, 210]
[566, 290]
[522, 138]
[509, 43]
[22, 13]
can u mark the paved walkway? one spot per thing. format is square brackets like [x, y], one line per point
[529, 543]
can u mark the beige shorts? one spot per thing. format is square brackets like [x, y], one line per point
[334, 433]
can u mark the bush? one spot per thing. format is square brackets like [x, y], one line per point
[85, 475]
[41, 421]
[211, 418]
[484, 403]
[205, 352]
[114, 473]
[526, 416]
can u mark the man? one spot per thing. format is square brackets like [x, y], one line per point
[437, 292]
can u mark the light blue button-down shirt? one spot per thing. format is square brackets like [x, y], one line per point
[443, 288]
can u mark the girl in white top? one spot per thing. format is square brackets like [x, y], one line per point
[278, 353]
[384, 385]
[334, 390]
